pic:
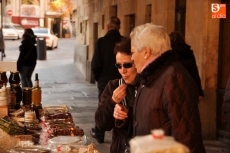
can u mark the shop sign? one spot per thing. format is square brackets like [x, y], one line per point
[30, 10]
[64, 21]
[28, 22]
[9, 12]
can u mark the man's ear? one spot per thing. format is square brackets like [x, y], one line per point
[147, 52]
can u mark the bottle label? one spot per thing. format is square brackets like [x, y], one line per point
[36, 96]
[36, 84]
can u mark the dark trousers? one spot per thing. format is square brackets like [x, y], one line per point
[98, 132]
[26, 73]
[3, 53]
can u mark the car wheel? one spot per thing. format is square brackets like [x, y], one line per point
[51, 48]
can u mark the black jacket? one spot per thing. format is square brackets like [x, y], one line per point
[103, 62]
[187, 59]
[28, 54]
[105, 120]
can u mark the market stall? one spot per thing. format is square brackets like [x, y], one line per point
[26, 126]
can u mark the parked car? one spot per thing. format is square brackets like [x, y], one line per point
[9, 32]
[51, 39]
[19, 29]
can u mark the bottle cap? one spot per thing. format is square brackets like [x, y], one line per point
[36, 76]
[157, 133]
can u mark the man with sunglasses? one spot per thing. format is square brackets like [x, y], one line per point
[102, 64]
[115, 107]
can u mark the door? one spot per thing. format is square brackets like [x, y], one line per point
[180, 16]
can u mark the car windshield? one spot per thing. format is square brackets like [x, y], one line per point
[7, 27]
[18, 27]
[42, 31]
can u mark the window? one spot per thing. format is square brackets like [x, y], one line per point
[103, 21]
[148, 13]
[80, 27]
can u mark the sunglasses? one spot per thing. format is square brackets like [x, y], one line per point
[125, 65]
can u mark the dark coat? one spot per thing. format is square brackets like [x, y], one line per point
[105, 120]
[167, 98]
[187, 59]
[103, 62]
[28, 54]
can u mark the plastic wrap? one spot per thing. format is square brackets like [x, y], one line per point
[61, 142]
[147, 144]
[7, 141]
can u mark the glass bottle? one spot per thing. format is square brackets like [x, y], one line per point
[18, 92]
[3, 78]
[36, 92]
[36, 97]
[14, 78]
[27, 96]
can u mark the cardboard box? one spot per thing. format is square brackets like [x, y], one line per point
[8, 66]
[3, 111]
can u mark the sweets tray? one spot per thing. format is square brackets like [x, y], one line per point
[55, 109]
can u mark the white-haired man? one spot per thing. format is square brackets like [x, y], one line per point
[167, 96]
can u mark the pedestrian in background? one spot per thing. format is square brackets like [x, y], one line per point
[167, 97]
[27, 59]
[2, 44]
[102, 65]
[186, 57]
[31, 33]
[115, 108]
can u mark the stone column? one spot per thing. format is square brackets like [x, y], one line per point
[202, 33]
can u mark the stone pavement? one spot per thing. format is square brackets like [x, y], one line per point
[62, 84]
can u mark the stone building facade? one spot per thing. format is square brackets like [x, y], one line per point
[208, 37]
[37, 13]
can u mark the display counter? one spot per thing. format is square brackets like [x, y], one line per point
[55, 131]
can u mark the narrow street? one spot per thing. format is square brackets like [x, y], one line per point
[62, 84]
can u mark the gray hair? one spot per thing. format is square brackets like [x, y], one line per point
[114, 23]
[150, 36]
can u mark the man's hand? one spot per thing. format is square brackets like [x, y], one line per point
[119, 93]
[120, 112]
